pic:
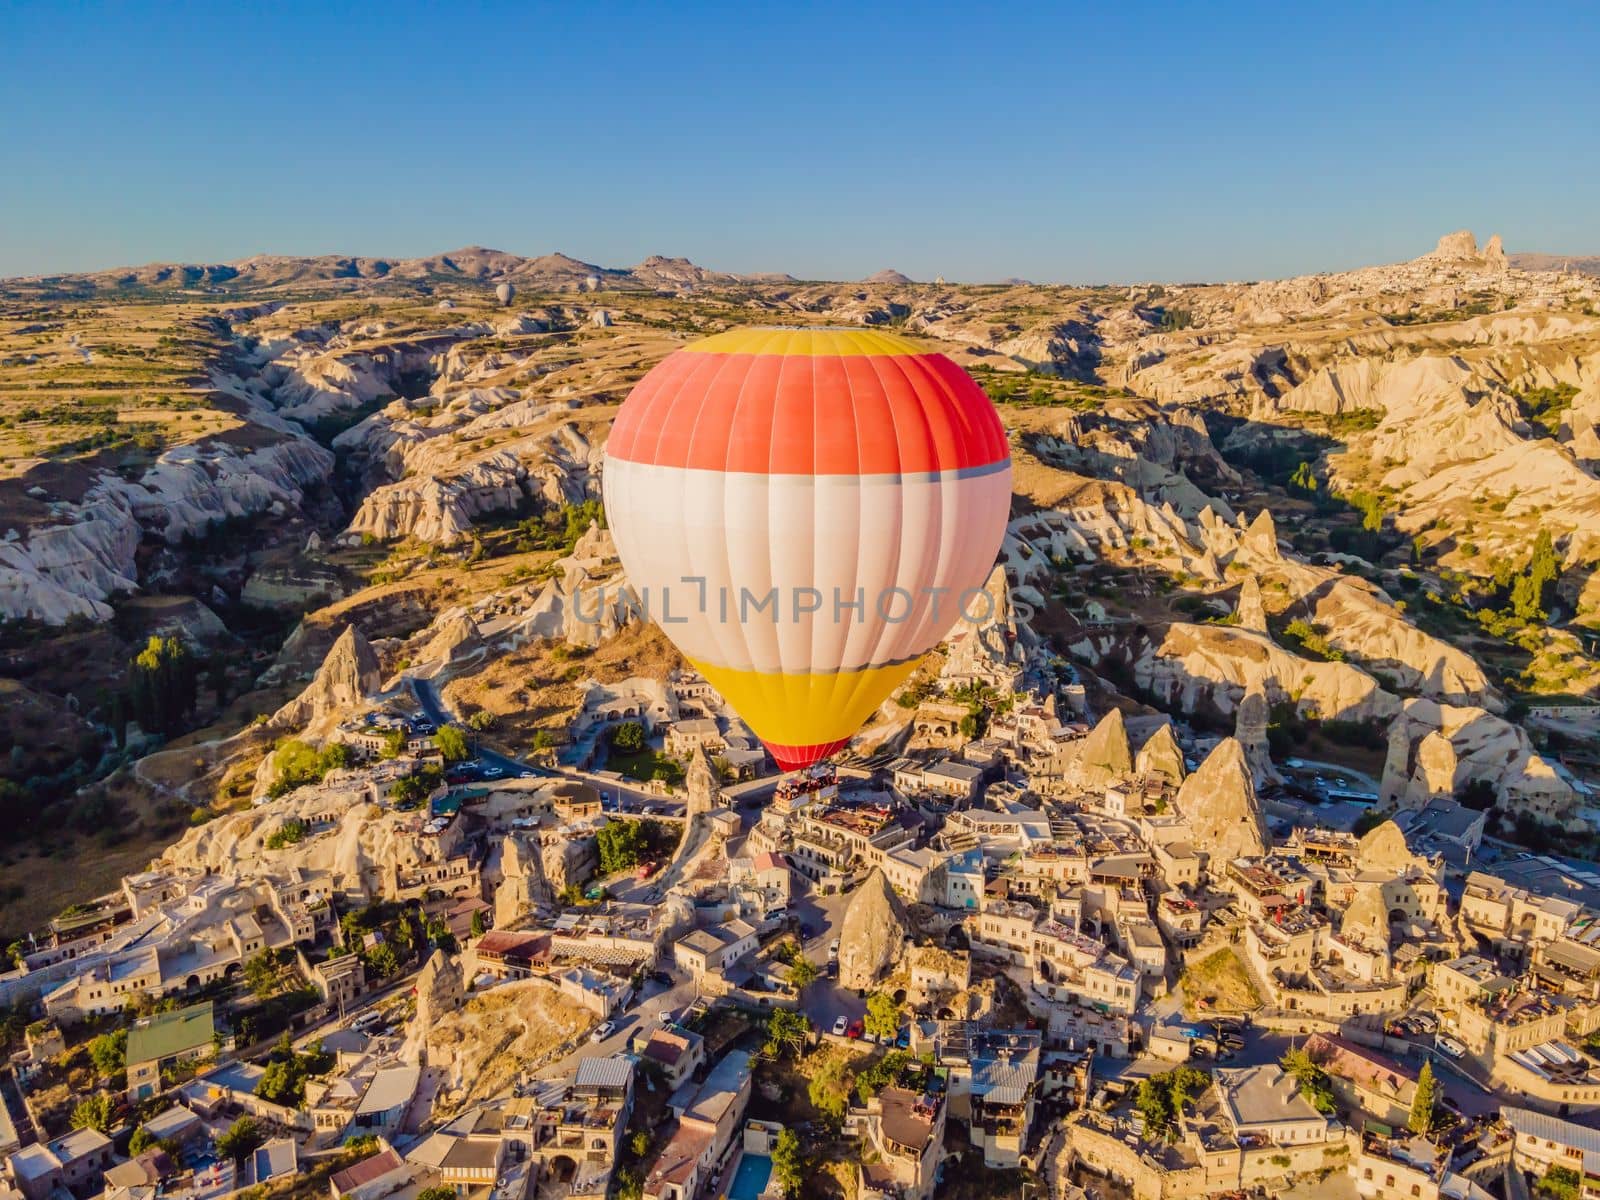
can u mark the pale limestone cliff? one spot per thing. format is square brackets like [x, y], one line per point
[1194, 666]
[1103, 756]
[873, 935]
[348, 675]
[1161, 755]
[1219, 802]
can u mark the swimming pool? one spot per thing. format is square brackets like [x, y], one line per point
[750, 1180]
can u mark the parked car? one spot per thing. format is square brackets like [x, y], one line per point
[855, 1030]
[1448, 1045]
[839, 1027]
[493, 772]
[666, 1016]
[603, 1030]
[833, 950]
[662, 978]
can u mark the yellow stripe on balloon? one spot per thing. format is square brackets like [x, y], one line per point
[805, 709]
[848, 342]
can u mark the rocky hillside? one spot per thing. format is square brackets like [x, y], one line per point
[1372, 497]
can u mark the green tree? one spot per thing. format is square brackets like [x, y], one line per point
[803, 972]
[1155, 1103]
[109, 1053]
[290, 833]
[298, 764]
[394, 744]
[481, 721]
[261, 974]
[478, 925]
[1310, 1077]
[1559, 1183]
[1304, 479]
[577, 518]
[97, 1112]
[829, 1089]
[1530, 594]
[452, 743]
[437, 1192]
[788, 1164]
[1424, 1101]
[883, 1016]
[141, 1140]
[639, 1143]
[873, 1078]
[162, 684]
[413, 789]
[381, 961]
[628, 738]
[621, 844]
[240, 1138]
[786, 1031]
[283, 1082]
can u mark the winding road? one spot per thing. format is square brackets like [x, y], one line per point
[428, 699]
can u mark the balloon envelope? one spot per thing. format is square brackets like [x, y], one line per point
[802, 512]
[504, 292]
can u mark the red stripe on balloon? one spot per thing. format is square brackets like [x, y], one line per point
[795, 758]
[770, 414]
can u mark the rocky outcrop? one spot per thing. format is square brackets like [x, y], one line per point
[1160, 755]
[358, 843]
[1383, 849]
[348, 675]
[1259, 543]
[522, 886]
[1365, 922]
[1250, 612]
[1368, 629]
[873, 936]
[1471, 744]
[703, 789]
[57, 572]
[440, 510]
[454, 639]
[1103, 756]
[1250, 729]
[986, 651]
[439, 989]
[1461, 248]
[1219, 802]
[1194, 667]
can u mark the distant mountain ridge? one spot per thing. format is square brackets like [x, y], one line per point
[559, 272]
[474, 264]
[1583, 264]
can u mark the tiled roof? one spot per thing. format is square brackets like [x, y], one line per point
[367, 1170]
[170, 1034]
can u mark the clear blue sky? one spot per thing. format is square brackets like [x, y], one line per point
[1213, 141]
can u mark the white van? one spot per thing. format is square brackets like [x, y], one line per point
[1448, 1045]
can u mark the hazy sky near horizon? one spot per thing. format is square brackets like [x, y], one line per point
[1057, 142]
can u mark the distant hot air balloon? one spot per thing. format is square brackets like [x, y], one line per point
[504, 292]
[804, 513]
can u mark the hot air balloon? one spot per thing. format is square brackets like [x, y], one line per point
[504, 292]
[805, 513]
